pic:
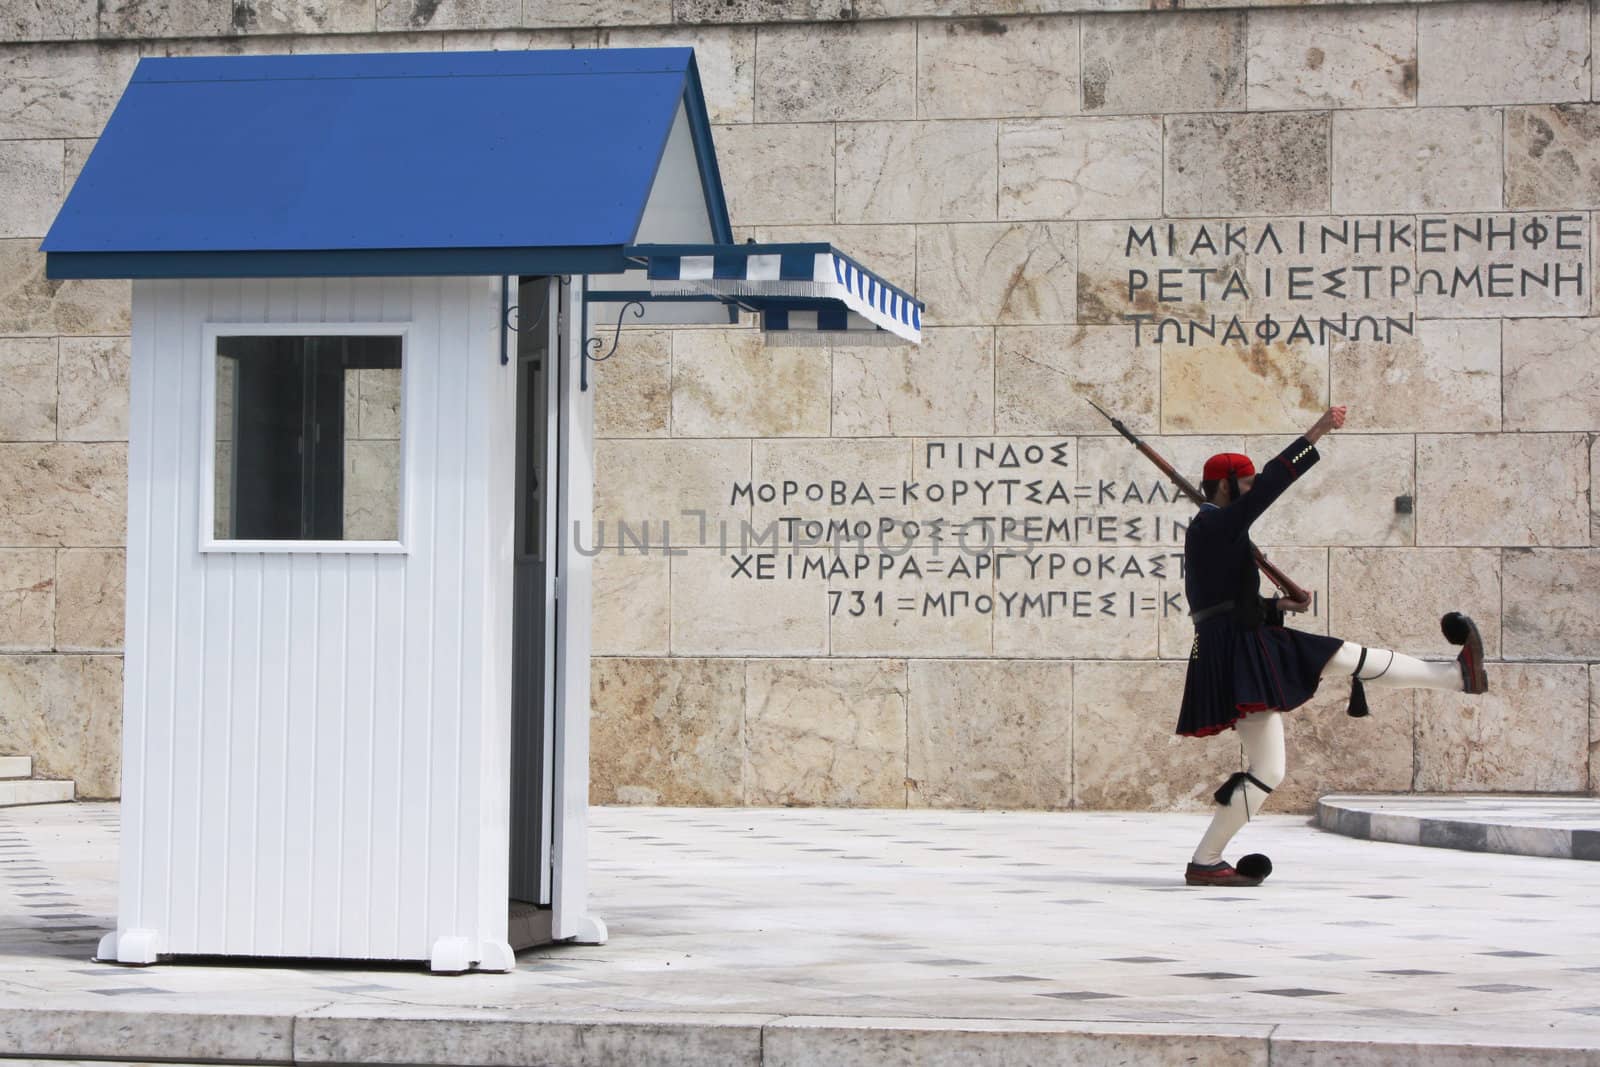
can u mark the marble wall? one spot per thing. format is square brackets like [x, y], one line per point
[997, 164]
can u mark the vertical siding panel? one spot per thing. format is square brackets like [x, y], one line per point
[326, 780]
[216, 691]
[178, 581]
[423, 398]
[356, 855]
[473, 367]
[449, 550]
[300, 817]
[141, 895]
[271, 755]
[243, 745]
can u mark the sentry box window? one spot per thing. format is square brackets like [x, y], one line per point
[305, 439]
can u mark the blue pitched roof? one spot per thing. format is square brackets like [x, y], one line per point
[428, 163]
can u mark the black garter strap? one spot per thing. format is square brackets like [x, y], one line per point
[1357, 708]
[1224, 793]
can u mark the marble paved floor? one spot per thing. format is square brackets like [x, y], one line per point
[1071, 916]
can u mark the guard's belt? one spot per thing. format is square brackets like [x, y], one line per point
[1205, 613]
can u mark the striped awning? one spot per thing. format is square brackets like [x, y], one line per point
[804, 293]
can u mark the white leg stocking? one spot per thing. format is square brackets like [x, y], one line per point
[1262, 736]
[1384, 669]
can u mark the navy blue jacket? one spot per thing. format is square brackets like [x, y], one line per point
[1219, 560]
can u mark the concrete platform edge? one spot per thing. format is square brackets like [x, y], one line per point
[1365, 817]
[401, 1034]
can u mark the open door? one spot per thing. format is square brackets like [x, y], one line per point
[534, 612]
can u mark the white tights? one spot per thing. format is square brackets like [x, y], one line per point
[1261, 734]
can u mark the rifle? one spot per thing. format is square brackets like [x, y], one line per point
[1277, 577]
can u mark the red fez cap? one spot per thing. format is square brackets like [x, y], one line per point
[1223, 464]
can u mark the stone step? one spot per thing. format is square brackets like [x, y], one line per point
[34, 791]
[1558, 827]
[16, 767]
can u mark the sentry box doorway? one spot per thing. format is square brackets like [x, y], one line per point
[367, 291]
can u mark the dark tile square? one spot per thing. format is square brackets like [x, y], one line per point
[1505, 987]
[1009, 978]
[1513, 953]
[947, 963]
[1330, 957]
[1297, 992]
[1595, 1010]
[1214, 974]
[1140, 959]
[1377, 896]
[1409, 971]
[131, 990]
[1080, 994]
[1586, 844]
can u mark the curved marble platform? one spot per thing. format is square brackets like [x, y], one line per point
[1543, 825]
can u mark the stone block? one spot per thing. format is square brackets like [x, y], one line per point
[1489, 53]
[915, 172]
[1045, 376]
[1306, 567]
[997, 67]
[886, 606]
[724, 55]
[888, 251]
[973, 494]
[1483, 266]
[666, 731]
[257, 45]
[420, 15]
[943, 386]
[655, 482]
[94, 390]
[1120, 267]
[1106, 603]
[607, 13]
[1594, 491]
[1080, 168]
[27, 389]
[1348, 498]
[1394, 597]
[825, 732]
[1126, 755]
[1136, 489]
[984, 273]
[848, 465]
[27, 600]
[747, 602]
[633, 389]
[63, 495]
[1528, 733]
[990, 734]
[1211, 387]
[377, 403]
[75, 155]
[1550, 599]
[1329, 752]
[26, 20]
[1594, 728]
[1247, 164]
[90, 589]
[1552, 374]
[1553, 156]
[61, 90]
[30, 186]
[1446, 378]
[1502, 489]
[422, 41]
[777, 172]
[1416, 159]
[1332, 58]
[726, 383]
[853, 71]
[164, 18]
[66, 712]
[286, 16]
[1160, 61]
[632, 603]
[30, 303]
[372, 490]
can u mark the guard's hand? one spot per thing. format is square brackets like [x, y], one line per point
[1332, 419]
[1286, 603]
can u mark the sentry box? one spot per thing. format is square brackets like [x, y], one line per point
[356, 695]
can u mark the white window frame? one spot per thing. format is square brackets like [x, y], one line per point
[207, 488]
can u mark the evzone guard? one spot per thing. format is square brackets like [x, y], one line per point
[1246, 668]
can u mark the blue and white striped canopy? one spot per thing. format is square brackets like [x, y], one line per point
[805, 293]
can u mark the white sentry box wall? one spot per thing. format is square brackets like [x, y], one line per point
[316, 744]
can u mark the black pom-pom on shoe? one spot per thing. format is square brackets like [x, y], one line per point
[1255, 865]
[1457, 628]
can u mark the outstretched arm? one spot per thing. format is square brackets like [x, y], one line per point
[1278, 474]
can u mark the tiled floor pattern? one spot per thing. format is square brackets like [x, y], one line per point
[1073, 916]
[1564, 827]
